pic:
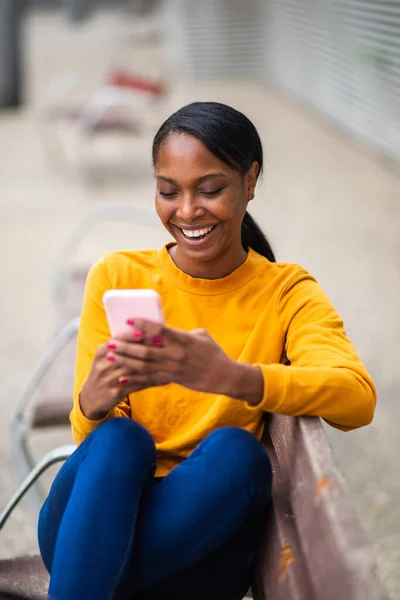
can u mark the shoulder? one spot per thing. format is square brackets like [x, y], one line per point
[299, 295]
[291, 274]
[282, 276]
[125, 267]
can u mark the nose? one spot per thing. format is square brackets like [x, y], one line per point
[189, 208]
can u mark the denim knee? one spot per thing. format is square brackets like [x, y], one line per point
[123, 439]
[248, 461]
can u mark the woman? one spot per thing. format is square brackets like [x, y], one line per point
[166, 494]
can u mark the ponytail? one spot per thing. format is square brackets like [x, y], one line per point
[253, 237]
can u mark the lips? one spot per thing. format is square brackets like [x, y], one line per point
[196, 236]
[196, 233]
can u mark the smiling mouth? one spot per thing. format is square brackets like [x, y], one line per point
[196, 234]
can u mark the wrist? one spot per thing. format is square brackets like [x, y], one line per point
[88, 411]
[245, 382]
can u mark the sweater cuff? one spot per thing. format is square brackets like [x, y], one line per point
[88, 425]
[274, 387]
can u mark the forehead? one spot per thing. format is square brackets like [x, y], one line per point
[184, 156]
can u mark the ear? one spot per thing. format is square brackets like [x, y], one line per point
[251, 180]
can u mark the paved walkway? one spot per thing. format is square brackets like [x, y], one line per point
[325, 204]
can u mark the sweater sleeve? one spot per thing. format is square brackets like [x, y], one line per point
[325, 376]
[93, 332]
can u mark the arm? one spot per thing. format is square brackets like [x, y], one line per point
[325, 378]
[93, 332]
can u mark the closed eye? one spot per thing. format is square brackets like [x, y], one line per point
[204, 193]
[167, 194]
[213, 192]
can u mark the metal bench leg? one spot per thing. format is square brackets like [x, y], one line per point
[20, 424]
[57, 455]
[25, 463]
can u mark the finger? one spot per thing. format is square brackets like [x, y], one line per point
[155, 379]
[151, 330]
[121, 382]
[127, 336]
[151, 333]
[155, 352]
[128, 364]
[134, 382]
[144, 359]
[114, 375]
[144, 332]
[101, 351]
[120, 349]
[116, 369]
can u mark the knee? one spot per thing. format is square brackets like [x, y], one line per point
[124, 438]
[245, 458]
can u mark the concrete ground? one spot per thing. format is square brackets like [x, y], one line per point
[324, 202]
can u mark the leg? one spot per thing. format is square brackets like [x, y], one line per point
[86, 526]
[224, 484]
[225, 574]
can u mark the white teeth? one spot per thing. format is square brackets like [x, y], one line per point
[193, 233]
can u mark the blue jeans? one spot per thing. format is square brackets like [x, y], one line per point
[108, 530]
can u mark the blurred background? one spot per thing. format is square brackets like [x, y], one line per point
[83, 87]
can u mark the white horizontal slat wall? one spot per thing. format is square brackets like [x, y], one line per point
[213, 38]
[343, 57]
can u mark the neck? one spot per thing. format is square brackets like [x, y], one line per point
[216, 268]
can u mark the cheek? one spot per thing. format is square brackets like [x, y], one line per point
[232, 208]
[163, 210]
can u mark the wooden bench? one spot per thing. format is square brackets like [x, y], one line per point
[312, 548]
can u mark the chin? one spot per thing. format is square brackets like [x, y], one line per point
[201, 254]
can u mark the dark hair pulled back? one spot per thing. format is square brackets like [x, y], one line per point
[231, 137]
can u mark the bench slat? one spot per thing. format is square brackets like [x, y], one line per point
[281, 572]
[322, 546]
[340, 559]
[23, 578]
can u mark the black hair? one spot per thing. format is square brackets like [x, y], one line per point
[231, 137]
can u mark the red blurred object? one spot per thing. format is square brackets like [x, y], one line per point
[127, 80]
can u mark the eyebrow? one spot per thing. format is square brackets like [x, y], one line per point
[199, 180]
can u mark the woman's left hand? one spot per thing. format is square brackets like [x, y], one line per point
[191, 359]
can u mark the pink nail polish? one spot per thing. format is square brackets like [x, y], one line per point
[156, 341]
[112, 346]
[130, 321]
[137, 335]
[111, 357]
[123, 380]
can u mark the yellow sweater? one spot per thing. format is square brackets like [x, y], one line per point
[263, 313]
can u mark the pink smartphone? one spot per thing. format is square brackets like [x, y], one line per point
[121, 305]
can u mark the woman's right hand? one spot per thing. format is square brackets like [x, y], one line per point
[109, 381]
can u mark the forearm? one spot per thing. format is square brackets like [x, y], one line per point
[343, 396]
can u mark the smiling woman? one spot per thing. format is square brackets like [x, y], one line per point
[166, 494]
